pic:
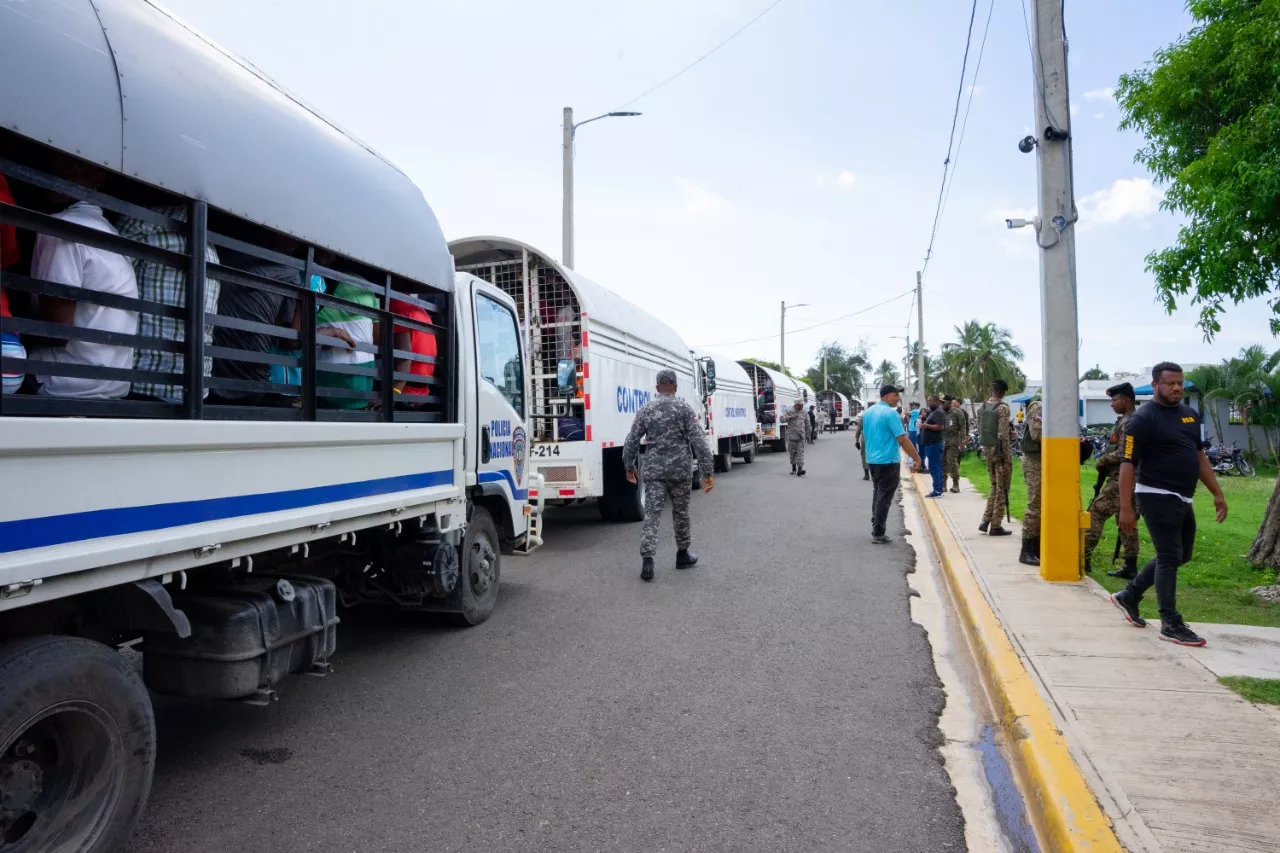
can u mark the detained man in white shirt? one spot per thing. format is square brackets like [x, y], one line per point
[72, 264]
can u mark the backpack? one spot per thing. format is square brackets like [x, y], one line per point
[988, 425]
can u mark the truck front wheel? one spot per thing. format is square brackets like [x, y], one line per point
[77, 746]
[481, 560]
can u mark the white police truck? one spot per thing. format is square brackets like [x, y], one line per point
[594, 358]
[295, 463]
[727, 411]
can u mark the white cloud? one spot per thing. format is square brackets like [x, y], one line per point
[1107, 94]
[1074, 109]
[846, 179]
[700, 202]
[975, 90]
[1099, 115]
[1125, 199]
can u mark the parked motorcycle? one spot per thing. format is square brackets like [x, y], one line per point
[1230, 460]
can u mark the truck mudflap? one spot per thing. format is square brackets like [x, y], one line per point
[533, 510]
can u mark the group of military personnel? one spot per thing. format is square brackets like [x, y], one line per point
[995, 436]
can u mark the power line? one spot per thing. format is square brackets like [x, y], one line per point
[815, 325]
[739, 31]
[955, 117]
[973, 87]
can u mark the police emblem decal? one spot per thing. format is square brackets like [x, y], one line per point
[517, 454]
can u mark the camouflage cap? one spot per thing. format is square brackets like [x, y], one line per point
[666, 377]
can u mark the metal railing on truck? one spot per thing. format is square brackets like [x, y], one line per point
[237, 242]
[541, 293]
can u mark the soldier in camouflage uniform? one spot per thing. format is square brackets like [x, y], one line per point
[1107, 503]
[861, 444]
[999, 462]
[953, 436]
[796, 422]
[671, 432]
[1032, 430]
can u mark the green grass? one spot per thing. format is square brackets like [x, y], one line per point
[1262, 691]
[1215, 586]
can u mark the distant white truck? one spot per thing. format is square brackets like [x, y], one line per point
[594, 359]
[836, 405]
[774, 394]
[727, 412]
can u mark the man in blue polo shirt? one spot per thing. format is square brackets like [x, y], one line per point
[885, 442]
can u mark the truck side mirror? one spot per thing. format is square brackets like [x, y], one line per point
[566, 377]
[711, 384]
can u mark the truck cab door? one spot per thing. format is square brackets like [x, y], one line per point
[502, 451]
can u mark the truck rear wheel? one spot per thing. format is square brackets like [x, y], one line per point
[481, 570]
[723, 462]
[621, 500]
[77, 746]
[749, 455]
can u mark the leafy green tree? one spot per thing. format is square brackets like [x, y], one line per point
[1095, 372]
[845, 369]
[1209, 107]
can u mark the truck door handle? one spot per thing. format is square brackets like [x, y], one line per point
[484, 444]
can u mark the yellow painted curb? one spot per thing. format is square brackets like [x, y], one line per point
[1067, 815]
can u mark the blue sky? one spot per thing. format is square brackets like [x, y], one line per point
[800, 162]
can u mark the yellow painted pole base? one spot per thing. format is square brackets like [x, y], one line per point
[1061, 544]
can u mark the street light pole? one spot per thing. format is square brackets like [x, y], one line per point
[1060, 551]
[566, 214]
[782, 357]
[920, 377]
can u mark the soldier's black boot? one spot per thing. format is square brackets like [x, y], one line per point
[1088, 564]
[982, 528]
[955, 486]
[866, 475]
[646, 569]
[793, 469]
[1130, 570]
[1030, 555]
[800, 473]
[685, 560]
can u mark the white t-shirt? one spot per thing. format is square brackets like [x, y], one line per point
[72, 264]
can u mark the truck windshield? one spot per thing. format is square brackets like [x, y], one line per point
[498, 343]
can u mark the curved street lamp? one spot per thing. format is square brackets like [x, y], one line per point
[566, 254]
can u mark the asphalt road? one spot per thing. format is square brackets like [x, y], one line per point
[778, 697]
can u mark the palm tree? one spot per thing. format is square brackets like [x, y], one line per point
[983, 353]
[886, 373]
[1095, 372]
[1210, 381]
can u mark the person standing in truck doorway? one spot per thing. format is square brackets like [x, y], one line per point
[796, 423]
[672, 437]
[1163, 460]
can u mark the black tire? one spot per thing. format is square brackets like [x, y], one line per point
[77, 711]
[481, 570]
[1246, 468]
[749, 455]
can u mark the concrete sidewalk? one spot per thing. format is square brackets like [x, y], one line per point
[1177, 761]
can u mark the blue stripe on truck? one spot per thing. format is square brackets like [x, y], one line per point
[501, 475]
[118, 521]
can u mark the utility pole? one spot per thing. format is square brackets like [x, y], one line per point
[920, 338]
[566, 213]
[782, 357]
[1060, 516]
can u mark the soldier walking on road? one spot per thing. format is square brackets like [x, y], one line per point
[1106, 502]
[953, 438]
[993, 435]
[796, 423]
[1032, 429]
[672, 435]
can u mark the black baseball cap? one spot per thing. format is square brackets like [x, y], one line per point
[889, 389]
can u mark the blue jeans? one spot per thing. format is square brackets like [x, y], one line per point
[914, 435]
[932, 454]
